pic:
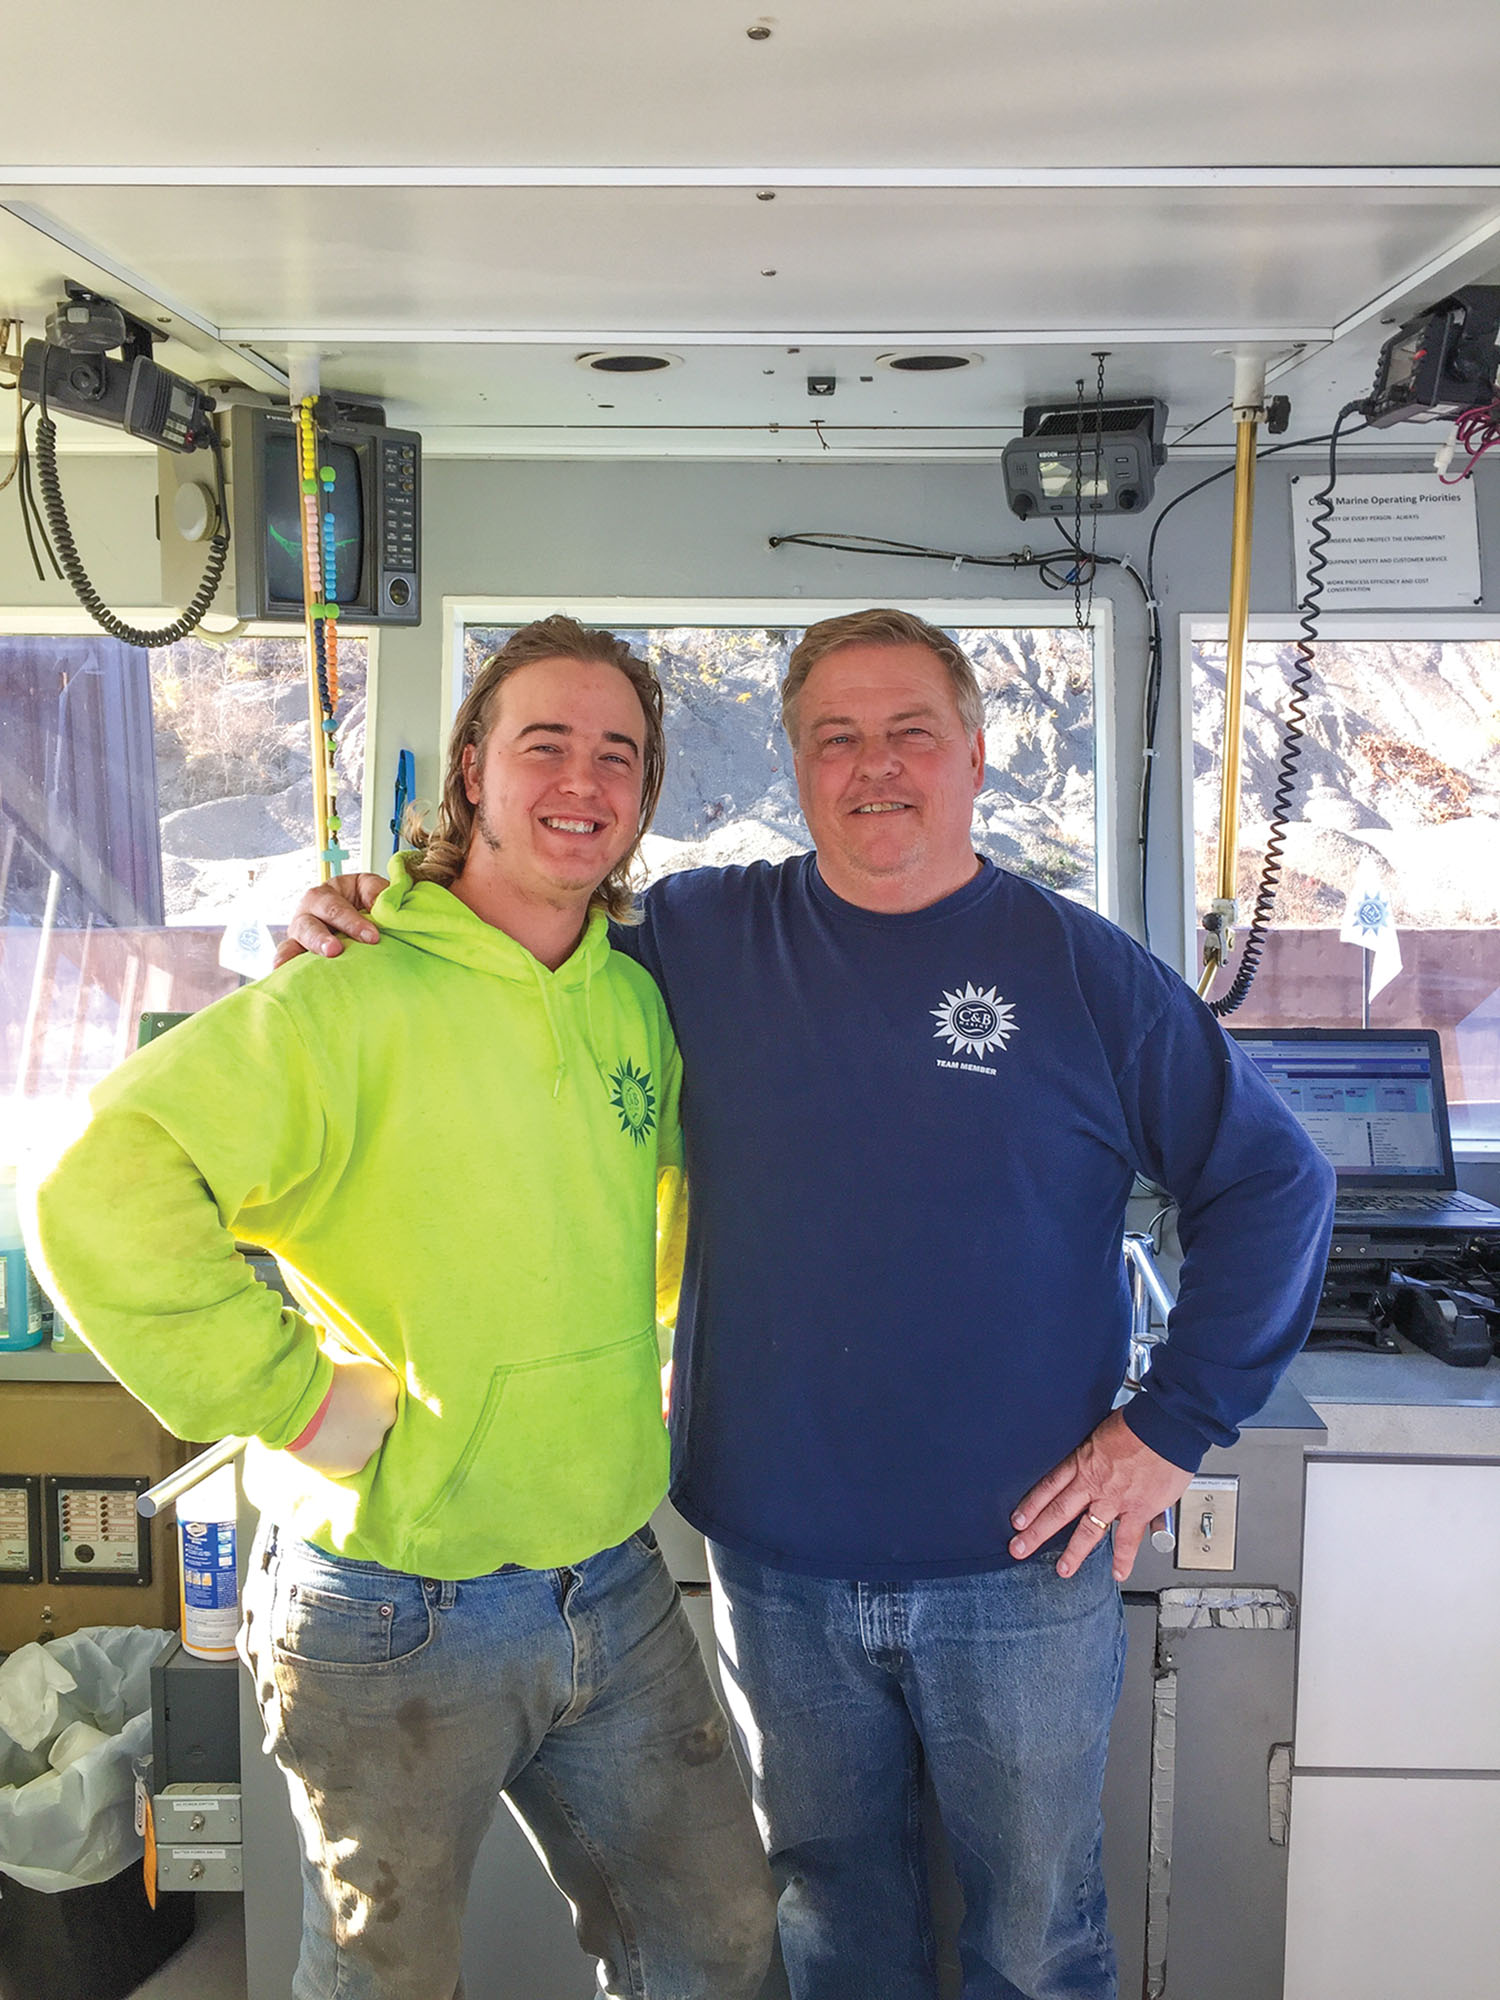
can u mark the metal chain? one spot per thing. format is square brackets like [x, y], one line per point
[1083, 613]
[1078, 618]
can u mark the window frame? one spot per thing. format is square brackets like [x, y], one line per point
[630, 613]
[1279, 628]
[70, 622]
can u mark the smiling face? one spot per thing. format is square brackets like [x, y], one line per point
[887, 776]
[556, 784]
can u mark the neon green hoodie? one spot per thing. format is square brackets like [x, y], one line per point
[454, 1154]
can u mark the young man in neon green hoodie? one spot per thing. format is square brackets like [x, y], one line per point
[456, 1442]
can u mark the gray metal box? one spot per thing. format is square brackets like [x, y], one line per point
[197, 1813]
[194, 1867]
[195, 1720]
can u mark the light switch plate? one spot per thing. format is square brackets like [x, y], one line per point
[199, 1813]
[1207, 1518]
[182, 1867]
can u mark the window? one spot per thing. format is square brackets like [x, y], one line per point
[145, 800]
[1401, 764]
[730, 796]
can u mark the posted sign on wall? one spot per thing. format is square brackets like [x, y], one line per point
[1398, 539]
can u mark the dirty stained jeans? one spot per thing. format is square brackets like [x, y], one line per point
[399, 1708]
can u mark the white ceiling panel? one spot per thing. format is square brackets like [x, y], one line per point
[450, 203]
[32, 270]
[721, 260]
[967, 82]
[482, 398]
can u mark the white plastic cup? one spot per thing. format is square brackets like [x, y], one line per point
[208, 1570]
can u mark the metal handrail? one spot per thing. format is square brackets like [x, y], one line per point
[1141, 1257]
[1148, 1288]
[150, 1503]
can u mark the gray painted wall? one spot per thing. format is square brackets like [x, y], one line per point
[555, 529]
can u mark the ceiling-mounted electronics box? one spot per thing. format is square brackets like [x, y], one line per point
[1098, 460]
[375, 498]
[1441, 364]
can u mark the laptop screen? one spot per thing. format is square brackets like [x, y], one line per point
[1371, 1100]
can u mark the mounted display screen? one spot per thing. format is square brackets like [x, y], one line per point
[283, 519]
[375, 498]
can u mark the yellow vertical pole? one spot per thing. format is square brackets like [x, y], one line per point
[1249, 403]
[305, 384]
[311, 573]
[1234, 676]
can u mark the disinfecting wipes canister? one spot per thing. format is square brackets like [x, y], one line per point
[210, 1574]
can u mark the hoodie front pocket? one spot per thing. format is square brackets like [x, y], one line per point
[556, 1437]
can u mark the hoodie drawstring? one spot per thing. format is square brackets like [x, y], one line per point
[562, 1061]
[588, 1015]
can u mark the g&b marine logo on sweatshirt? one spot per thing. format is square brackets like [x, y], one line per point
[635, 1100]
[973, 1022]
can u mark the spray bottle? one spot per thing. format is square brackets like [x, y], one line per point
[21, 1321]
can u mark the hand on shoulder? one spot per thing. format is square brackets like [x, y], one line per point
[331, 912]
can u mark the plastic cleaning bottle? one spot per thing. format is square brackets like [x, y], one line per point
[210, 1578]
[20, 1325]
[65, 1339]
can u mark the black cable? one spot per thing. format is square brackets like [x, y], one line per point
[1085, 561]
[23, 496]
[1292, 735]
[1155, 650]
[875, 545]
[31, 513]
[1092, 557]
[1042, 561]
[78, 576]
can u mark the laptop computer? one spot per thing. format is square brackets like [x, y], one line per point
[1372, 1101]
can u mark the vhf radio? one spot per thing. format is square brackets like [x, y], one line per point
[72, 371]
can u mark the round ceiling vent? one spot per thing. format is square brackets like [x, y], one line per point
[628, 361]
[924, 361]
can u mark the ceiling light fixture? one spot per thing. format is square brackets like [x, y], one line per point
[918, 361]
[627, 361]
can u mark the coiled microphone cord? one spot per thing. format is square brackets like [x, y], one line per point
[1292, 736]
[61, 532]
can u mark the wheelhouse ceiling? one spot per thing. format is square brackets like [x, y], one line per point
[450, 205]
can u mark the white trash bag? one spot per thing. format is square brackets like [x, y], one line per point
[74, 1715]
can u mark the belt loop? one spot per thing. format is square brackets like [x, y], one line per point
[447, 1594]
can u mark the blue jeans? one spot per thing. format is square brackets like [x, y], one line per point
[399, 1708]
[1000, 1686]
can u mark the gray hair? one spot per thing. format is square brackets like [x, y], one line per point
[879, 627]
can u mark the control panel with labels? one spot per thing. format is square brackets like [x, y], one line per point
[400, 515]
[94, 1534]
[20, 1527]
[196, 1829]
[76, 1452]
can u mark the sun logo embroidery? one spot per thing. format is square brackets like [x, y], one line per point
[974, 1021]
[635, 1100]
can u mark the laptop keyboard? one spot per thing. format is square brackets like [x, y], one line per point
[1431, 1202]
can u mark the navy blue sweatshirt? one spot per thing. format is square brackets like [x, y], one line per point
[910, 1141]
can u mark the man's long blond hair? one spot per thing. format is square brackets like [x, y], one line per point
[442, 850]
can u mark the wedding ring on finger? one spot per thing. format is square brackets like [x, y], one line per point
[1102, 1526]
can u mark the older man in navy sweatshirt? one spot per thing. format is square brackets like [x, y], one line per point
[917, 1092]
